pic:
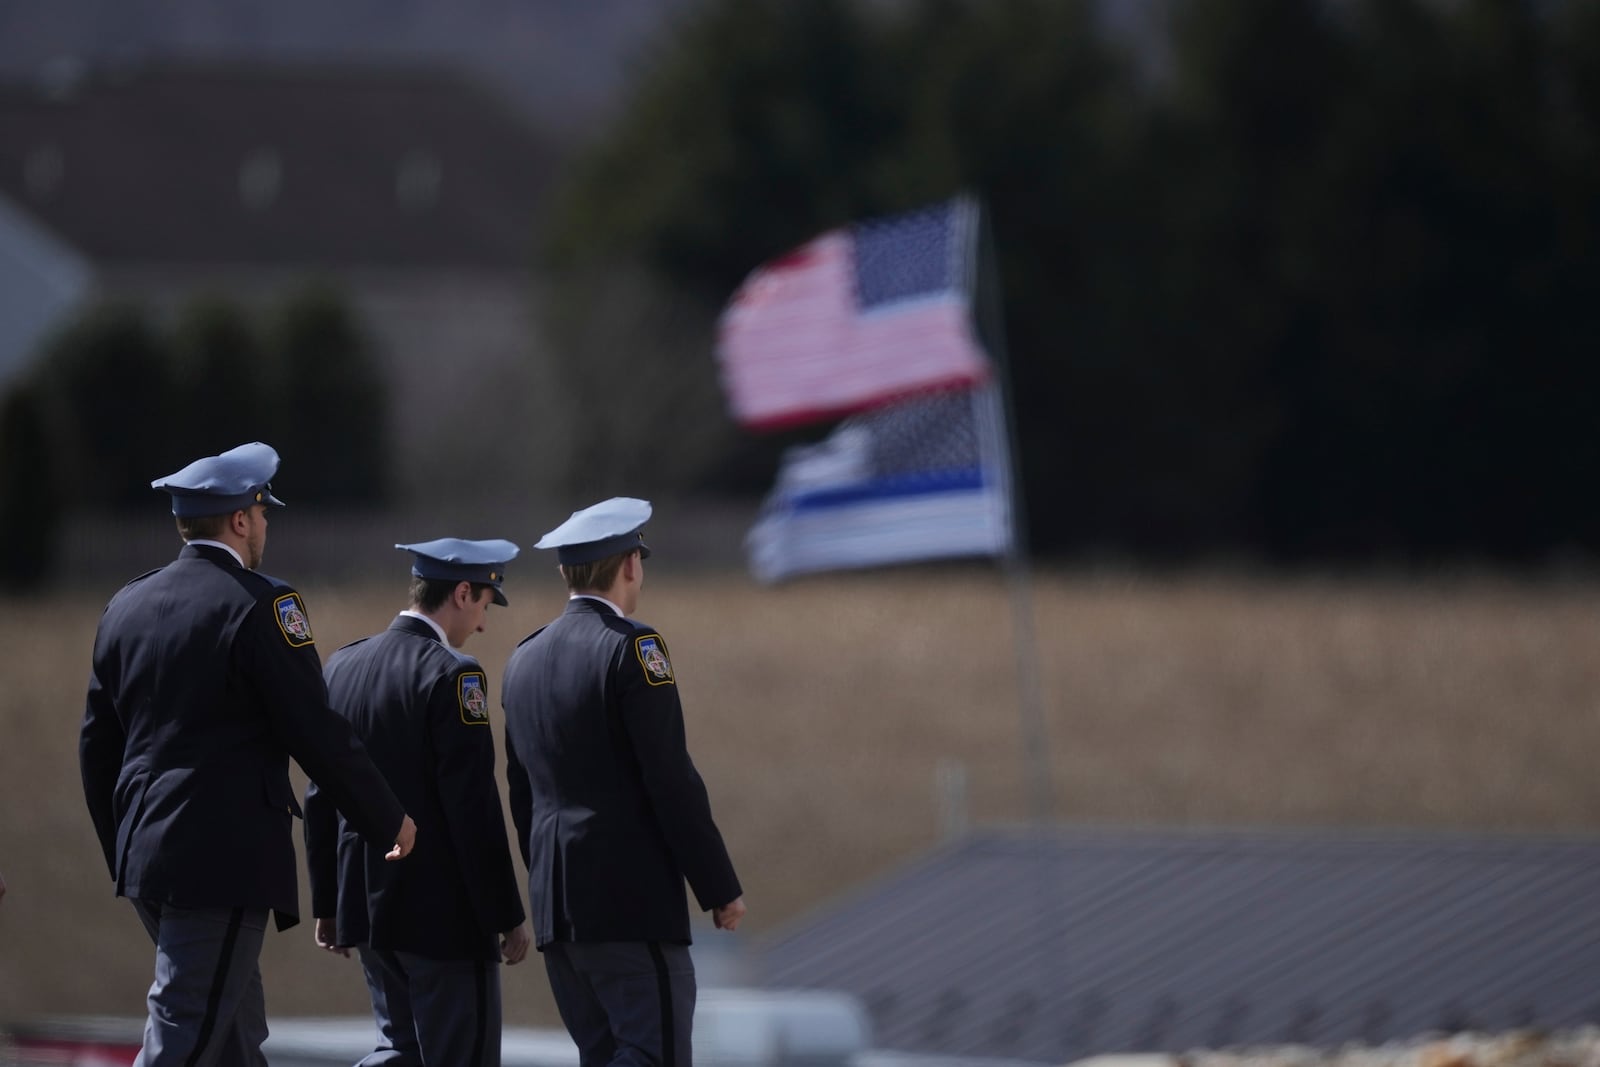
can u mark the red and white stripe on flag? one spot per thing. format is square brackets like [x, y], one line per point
[795, 346]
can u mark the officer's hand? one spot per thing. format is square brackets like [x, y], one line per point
[327, 933]
[404, 841]
[514, 944]
[727, 917]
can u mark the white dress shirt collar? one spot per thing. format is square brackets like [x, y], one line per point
[601, 599]
[436, 627]
[218, 544]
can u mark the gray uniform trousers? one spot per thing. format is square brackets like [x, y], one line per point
[625, 1002]
[442, 1013]
[206, 1004]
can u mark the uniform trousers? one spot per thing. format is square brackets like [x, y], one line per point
[206, 1004]
[625, 1002]
[442, 1013]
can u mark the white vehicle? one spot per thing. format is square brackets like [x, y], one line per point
[732, 1028]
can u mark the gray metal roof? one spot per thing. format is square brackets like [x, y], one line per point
[199, 163]
[1054, 945]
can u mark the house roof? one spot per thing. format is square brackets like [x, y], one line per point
[1057, 945]
[303, 165]
[40, 279]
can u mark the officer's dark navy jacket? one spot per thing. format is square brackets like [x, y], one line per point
[423, 711]
[610, 812]
[205, 681]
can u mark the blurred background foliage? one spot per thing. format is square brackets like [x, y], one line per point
[1294, 281]
[1298, 281]
[115, 393]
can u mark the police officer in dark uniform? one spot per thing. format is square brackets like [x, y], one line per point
[610, 812]
[430, 932]
[205, 681]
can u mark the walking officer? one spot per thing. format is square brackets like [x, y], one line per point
[205, 681]
[610, 812]
[431, 932]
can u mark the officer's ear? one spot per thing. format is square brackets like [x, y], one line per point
[239, 522]
[463, 594]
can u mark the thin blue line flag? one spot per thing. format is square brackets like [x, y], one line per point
[923, 478]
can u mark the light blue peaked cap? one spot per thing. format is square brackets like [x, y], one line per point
[608, 528]
[217, 485]
[454, 559]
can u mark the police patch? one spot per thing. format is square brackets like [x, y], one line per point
[653, 656]
[474, 696]
[292, 619]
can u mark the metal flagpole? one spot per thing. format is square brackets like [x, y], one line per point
[1019, 572]
[1052, 960]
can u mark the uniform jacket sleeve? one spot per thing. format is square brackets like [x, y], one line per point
[322, 852]
[295, 698]
[519, 794]
[653, 718]
[100, 750]
[463, 746]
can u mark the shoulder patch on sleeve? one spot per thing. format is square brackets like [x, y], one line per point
[292, 620]
[653, 658]
[473, 693]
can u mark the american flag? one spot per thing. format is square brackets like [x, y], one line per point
[925, 477]
[855, 318]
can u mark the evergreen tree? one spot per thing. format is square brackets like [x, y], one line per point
[30, 515]
[225, 388]
[106, 390]
[1309, 279]
[332, 431]
[757, 124]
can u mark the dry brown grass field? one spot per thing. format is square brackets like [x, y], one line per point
[819, 713]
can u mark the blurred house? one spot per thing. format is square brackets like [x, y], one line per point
[1065, 944]
[562, 59]
[415, 190]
